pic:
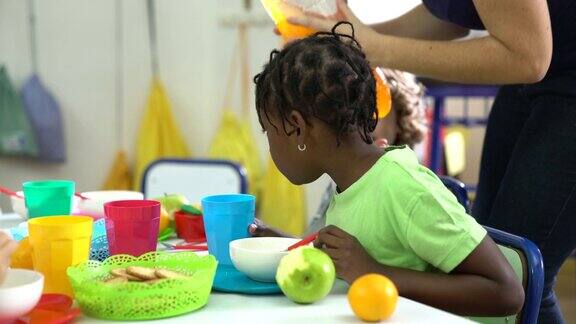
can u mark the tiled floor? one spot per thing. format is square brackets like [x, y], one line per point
[566, 290]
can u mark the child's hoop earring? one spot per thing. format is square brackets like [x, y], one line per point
[302, 147]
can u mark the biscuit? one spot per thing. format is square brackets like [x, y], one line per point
[123, 274]
[115, 280]
[169, 274]
[142, 273]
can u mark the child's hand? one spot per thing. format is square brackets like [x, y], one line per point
[7, 247]
[350, 258]
[259, 229]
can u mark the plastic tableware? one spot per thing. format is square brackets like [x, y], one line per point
[19, 292]
[258, 257]
[189, 227]
[94, 204]
[281, 10]
[132, 226]
[305, 241]
[226, 218]
[230, 280]
[18, 204]
[48, 197]
[99, 247]
[57, 243]
[138, 301]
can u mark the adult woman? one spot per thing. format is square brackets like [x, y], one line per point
[528, 170]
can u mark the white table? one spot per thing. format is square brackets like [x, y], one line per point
[232, 308]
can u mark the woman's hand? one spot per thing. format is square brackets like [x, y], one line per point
[7, 247]
[350, 258]
[362, 31]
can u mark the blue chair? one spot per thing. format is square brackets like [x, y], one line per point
[458, 188]
[524, 257]
[193, 178]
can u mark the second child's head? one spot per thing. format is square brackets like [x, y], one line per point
[315, 97]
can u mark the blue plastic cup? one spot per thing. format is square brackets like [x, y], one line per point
[226, 218]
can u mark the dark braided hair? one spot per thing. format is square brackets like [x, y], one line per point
[325, 76]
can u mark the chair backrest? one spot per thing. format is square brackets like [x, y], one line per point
[195, 179]
[524, 257]
[458, 188]
[533, 267]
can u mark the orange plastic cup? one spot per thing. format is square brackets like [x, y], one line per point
[57, 243]
[383, 95]
[281, 10]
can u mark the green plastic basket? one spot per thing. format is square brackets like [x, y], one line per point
[142, 301]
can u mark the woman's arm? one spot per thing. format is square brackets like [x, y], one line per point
[483, 284]
[518, 49]
[421, 24]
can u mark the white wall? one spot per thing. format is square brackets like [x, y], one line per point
[76, 61]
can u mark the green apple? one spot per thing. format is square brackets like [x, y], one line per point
[172, 203]
[306, 275]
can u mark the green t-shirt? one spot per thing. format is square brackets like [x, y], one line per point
[405, 217]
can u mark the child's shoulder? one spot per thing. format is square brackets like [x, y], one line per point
[402, 155]
[404, 173]
[401, 164]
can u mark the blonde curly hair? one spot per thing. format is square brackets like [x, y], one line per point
[408, 104]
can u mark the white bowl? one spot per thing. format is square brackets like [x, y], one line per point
[20, 292]
[94, 205]
[19, 206]
[258, 257]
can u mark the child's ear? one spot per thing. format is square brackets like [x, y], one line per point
[299, 124]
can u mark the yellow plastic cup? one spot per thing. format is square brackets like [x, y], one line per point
[57, 243]
[281, 10]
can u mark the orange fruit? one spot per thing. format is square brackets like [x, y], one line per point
[164, 220]
[373, 297]
[22, 257]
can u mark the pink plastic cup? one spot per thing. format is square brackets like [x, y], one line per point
[132, 226]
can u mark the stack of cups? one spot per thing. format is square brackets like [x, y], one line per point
[57, 241]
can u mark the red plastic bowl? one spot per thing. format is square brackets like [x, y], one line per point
[189, 227]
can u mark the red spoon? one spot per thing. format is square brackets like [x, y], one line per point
[9, 192]
[81, 196]
[198, 246]
[191, 247]
[304, 241]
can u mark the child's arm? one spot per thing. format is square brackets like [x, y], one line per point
[7, 246]
[483, 284]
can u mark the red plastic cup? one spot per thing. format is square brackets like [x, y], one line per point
[189, 227]
[132, 226]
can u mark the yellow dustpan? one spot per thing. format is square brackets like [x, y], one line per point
[119, 177]
[158, 136]
[282, 205]
[234, 139]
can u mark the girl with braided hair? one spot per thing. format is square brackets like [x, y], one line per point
[317, 106]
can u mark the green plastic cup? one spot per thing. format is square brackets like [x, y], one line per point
[48, 197]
